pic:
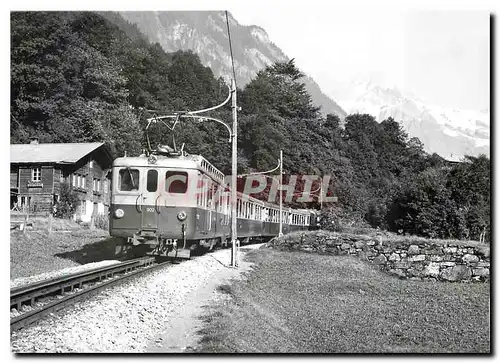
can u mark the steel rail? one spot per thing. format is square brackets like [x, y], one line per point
[62, 284]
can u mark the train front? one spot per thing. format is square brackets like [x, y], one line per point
[153, 204]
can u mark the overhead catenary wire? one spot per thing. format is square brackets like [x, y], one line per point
[231, 50]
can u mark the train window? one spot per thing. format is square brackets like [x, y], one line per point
[176, 182]
[152, 181]
[205, 190]
[128, 180]
[199, 185]
[213, 194]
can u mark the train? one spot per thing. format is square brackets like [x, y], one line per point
[172, 204]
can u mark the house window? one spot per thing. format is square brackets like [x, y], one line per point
[74, 179]
[96, 186]
[91, 164]
[83, 182]
[36, 174]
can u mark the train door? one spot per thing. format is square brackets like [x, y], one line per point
[202, 196]
[150, 208]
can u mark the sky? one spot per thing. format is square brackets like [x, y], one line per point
[436, 49]
[438, 53]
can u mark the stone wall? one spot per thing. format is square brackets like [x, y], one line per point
[406, 257]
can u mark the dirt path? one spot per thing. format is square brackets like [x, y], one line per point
[181, 331]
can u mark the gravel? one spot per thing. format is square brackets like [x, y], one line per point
[66, 271]
[128, 317]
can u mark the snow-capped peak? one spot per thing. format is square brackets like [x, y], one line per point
[450, 132]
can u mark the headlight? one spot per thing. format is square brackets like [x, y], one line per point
[181, 216]
[119, 213]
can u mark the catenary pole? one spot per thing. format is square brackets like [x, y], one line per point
[281, 194]
[234, 236]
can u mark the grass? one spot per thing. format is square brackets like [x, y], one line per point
[36, 252]
[308, 303]
[42, 222]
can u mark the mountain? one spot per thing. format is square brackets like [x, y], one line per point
[205, 33]
[451, 133]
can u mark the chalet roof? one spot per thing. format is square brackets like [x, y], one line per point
[52, 153]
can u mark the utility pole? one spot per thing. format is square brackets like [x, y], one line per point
[281, 194]
[233, 132]
[234, 135]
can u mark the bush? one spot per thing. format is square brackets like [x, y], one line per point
[101, 221]
[337, 219]
[67, 204]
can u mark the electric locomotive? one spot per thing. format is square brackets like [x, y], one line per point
[172, 203]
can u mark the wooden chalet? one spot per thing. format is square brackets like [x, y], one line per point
[37, 171]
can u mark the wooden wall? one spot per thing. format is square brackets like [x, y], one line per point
[14, 176]
[52, 175]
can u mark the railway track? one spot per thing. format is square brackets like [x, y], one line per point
[48, 296]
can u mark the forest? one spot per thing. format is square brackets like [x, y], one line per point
[85, 76]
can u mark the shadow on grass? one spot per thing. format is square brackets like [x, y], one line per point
[226, 289]
[95, 252]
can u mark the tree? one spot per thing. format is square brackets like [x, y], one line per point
[426, 208]
[469, 185]
[277, 89]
